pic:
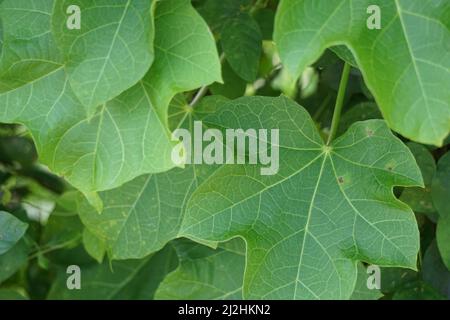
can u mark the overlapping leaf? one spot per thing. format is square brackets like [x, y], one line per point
[141, 216]
[128, 136]
[110, 52]
[406, 63]
[326, 208]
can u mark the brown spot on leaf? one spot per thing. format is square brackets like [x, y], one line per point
[341, 180]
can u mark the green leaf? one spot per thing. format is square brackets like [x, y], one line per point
[326, 208]
[112, 50]
[394, 279]
[362, 292]
[405, 64]
[345, 54]
[141, 216]
[13, 260]
[443, 239]
[440, 189]
[419, 199]
[361, 111]
[93, 245]
[417, 291]
[265, 19]
[218, 13]
[186, 54]
[128, 136]
[205, 274]
[242, 44]
[12, 294]
[130, 279]
[11, 231]
[434, 272]
[233, 86]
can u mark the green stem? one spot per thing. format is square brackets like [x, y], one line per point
[339, 102]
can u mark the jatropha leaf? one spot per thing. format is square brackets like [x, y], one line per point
[110, 50]
[128, 136]
[405, 76]
[11, 231]
[326, 208]
[144, 214]
[204, 273]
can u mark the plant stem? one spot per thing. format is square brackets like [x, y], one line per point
[339, 102]
[203, 90]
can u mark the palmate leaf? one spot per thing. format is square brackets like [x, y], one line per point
[405, 64]
[327, 207]
[112, 50]
[128, 136]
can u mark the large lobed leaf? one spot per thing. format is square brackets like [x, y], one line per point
[406, 63]
[326, 208]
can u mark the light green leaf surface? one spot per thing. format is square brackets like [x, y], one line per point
[205, 274]
[93, 246]
[112, 50]
[11, 231]
[128, 136]
[405, 64]
[326, 208]
[141, 216]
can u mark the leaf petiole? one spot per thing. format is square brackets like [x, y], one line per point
[339, 102]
